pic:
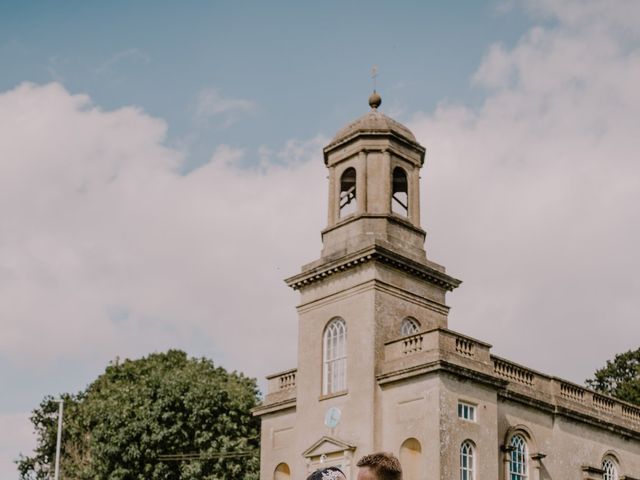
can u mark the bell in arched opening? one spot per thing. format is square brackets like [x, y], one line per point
[348, 201]
[400, 193]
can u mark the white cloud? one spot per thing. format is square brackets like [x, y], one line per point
[532, 199]
[107, 250]
[617, 17]
[210, 103]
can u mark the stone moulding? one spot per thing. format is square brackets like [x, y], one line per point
[373, 134]
[439, 365]
[273, 407]
[390, 217]
[330, 444]
[590, 469]
[378, 254]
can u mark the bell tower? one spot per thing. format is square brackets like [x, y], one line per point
[374, 187]
[371, 285]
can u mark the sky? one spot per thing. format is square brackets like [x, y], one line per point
[161, 173]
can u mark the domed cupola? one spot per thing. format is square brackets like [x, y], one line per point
[373, 123]
[374, 192]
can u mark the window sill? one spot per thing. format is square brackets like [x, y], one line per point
[467, 420]
[332, 395]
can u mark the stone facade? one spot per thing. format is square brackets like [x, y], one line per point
[378, 368]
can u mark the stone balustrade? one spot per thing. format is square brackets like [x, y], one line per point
[433, 345]
[281, 381]
[513, 372]
[409, 353]
[606, 404]
[602, 403]
[631, 413]
[572, 392]
[437, 339]
[465, 347]
[412, 344]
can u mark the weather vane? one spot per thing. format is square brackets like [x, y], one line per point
[374, 75]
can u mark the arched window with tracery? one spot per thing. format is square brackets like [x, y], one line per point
[400, 192]
[609, 469]
[348, 201]
[467, 461]
[409, 326]
[282, 472]
[334, 377]
[518, 468]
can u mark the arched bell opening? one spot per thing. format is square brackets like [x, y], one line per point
[400, 193]
[348, 200]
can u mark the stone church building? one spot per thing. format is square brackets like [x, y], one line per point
[379, 368]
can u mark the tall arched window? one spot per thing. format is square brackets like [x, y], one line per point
[411, 459]
[409, 326]
[400, 195]
[518, 462]
[467, 461]
[334, 378]
[610, 469]
[348, 203]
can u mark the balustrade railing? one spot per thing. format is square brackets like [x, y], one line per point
[631, 413]
[445, 345]
[571, 392]
[465, 346]
[603, 403]
[281, 382]
[513, 372]
[412, 344]
[440, 342]
[287, 380]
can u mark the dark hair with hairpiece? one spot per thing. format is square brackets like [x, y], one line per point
[385, 466]
[322, 473]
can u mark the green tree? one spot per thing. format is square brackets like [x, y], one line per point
[620, 377]
[138, 419]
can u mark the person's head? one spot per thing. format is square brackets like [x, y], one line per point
[329, 473]
[379, 466]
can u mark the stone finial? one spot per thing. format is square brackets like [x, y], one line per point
[375, 100]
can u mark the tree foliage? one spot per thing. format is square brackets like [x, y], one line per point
[124, 424]
[620, 377]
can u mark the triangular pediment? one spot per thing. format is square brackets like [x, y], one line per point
[327, 445]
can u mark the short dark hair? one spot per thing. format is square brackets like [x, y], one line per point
[318, 474]
[384, 465]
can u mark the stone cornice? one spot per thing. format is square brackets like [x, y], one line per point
[440, 365]
[279, 374]
[273, 407]
[374, 253]
[342, 142]
[391, 217]
[598, 422]
[592, 469]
